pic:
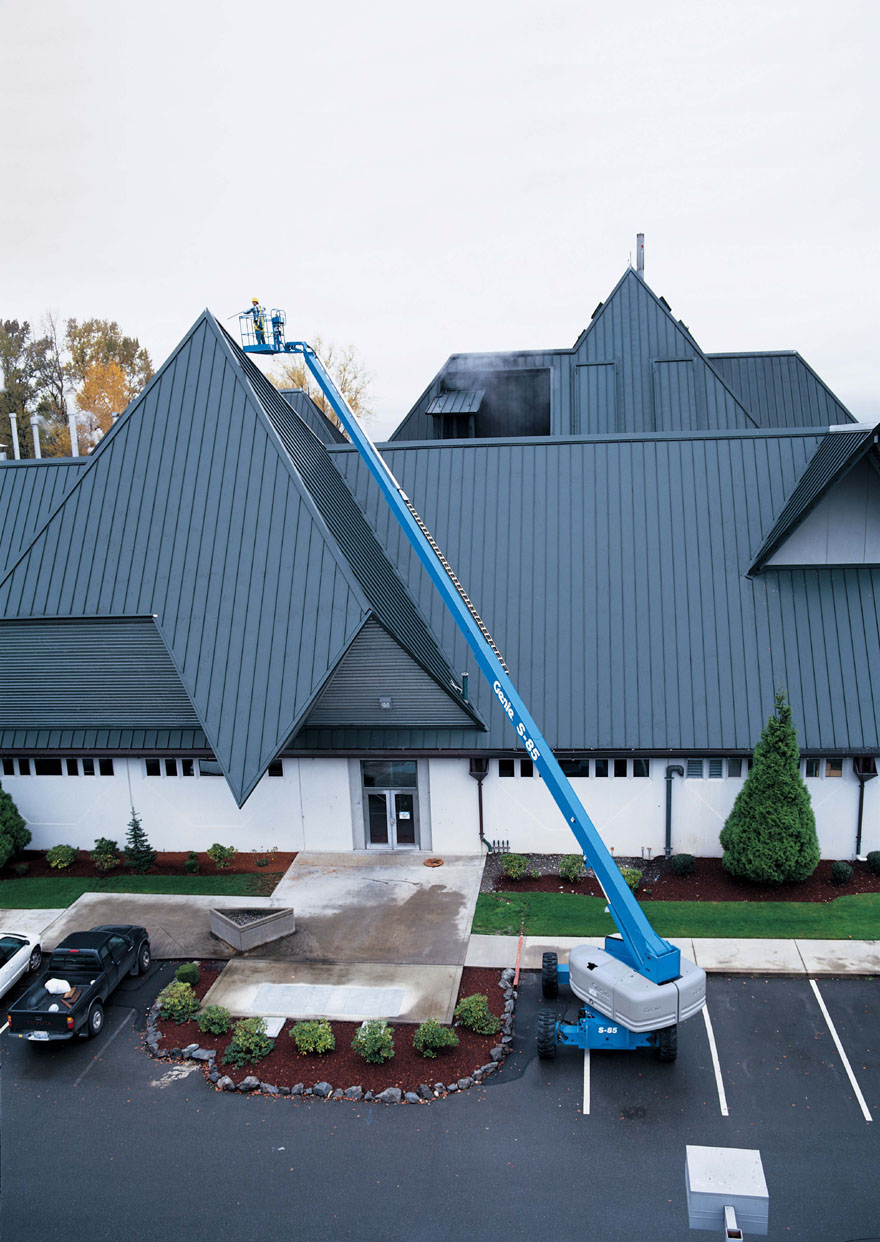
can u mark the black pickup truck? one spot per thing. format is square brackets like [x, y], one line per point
[91, 963]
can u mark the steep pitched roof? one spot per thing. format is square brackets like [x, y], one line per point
[211, 506]
[29, 492]
[313, 417]
[780, 389]
[836, 454]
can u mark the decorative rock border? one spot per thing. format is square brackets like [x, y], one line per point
[324, 1090]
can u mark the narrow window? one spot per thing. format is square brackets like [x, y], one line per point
[641, 767]
[695, 769]
[105, 767]
[88, 767]
[187, 767]
[505, 767]
[72, 766]
[734, 767]
[575, 767]
[601, 767]
[44, 765]
[834, 767]
[209, 767]
[8, 766]
[811, 767]
[24, 765]
[170, 767]
[526, 767]
[276, 768]
[620, 768]
[153, 766]
[716, 769]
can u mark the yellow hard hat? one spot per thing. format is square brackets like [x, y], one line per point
[255, 299]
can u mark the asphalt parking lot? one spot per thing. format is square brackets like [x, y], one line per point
[99, 1141]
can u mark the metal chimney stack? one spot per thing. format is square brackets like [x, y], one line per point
[640, 255]
[71, 427]
[35, 430]
[13, 423]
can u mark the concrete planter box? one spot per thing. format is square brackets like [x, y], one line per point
[245, 928]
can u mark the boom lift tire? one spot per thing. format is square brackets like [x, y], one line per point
[549, 976]
[546, 1034]
[667, 1044]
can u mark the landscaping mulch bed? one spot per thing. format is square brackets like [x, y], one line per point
[168, 863]
[285, 1067]
[710, 882]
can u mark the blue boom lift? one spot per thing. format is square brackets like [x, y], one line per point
[638, 988]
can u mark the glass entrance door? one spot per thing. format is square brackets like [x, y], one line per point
[391, 814]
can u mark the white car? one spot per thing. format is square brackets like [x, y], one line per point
[18, 955]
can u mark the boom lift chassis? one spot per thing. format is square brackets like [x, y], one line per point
[638, 988]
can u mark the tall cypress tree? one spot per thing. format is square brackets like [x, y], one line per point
[770, 835]
[14, 832]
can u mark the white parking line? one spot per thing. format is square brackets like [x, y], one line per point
[4, 1027]
[716, 1064]
[843, 1057]
[586, 1082]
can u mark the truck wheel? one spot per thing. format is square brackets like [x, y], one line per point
[546, 1034]
[549, 976]
[143, 959]
[667, 1044]
[95, 1020]
[35, 959]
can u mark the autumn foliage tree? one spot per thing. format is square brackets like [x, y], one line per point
[349, 371]
[106, 369]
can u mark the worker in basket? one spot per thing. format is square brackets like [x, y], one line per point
[259, 318]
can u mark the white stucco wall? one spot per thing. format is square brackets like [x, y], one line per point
[316, 806]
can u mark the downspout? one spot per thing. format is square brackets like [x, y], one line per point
[673, 769]
[863, 775]
[479, 770]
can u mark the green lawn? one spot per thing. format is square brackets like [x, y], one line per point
[856, 917]
[53, 892]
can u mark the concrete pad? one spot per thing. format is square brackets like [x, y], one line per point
[749, 957]
[29, 922]
[500, 951]
[374, 907]
[250, 986]
[492, 951]
[840, 957]
[178, 926]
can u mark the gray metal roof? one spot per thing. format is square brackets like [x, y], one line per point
[635, 368]
[459, 401]
[612, 572]
[29, 492]
[780, 389]
[89, 741]
[211, 506]
[313, 417]
[835, 456]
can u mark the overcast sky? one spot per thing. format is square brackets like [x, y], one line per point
[472, 177]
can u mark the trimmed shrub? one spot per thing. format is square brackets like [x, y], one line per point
[139, 854]
[473, 1013]
[14, 832]
[221, 855]
[188, 972]
[514, 866]
[249, 1043]
[191, 863]
[214, 1020]
[431, 1037]
[841, 872]
[315, 1037]
[105, 855]
[683, 865]
[633, 877]
[770, 835]
[21, 870]
[874, 862]
[61, 857]
[374, 1041]
[571, 868]
[178, 1002]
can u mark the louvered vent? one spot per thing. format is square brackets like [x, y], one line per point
[695, 769]
[716, 769]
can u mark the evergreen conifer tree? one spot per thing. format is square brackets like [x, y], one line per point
[770, 835]
[139, 854]
[14, 832]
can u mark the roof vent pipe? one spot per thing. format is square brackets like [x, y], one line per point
[35, 431]
[71, 427]
[640, 255]
[13, 423]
